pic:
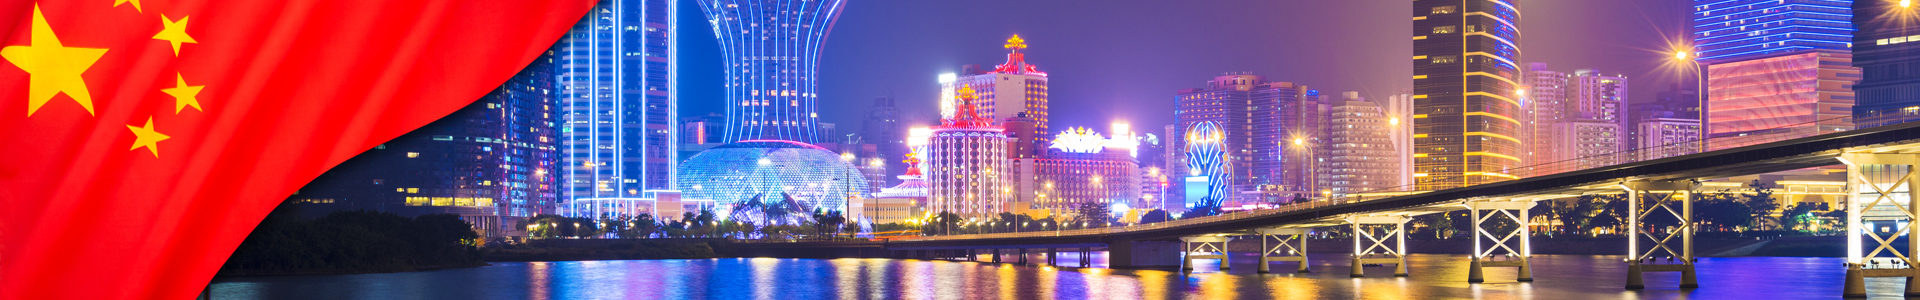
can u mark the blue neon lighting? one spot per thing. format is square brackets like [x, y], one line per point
[772, 52]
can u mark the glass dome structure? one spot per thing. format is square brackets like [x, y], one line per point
[737, 172]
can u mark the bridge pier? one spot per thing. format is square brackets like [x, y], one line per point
[1023, 256]
[1282, 246]
[1519, 250]
[1053, 257]
[996, 255]
[1639, 263]
[1086, 257]
[1880, 190]
[1396, 233]
[1215, 245]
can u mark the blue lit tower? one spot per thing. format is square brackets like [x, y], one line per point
[1728, 30]
[772, 50]
[616, 109]
[1207, 168]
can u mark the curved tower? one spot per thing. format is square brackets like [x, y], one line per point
[772, 50]
[1206, 165]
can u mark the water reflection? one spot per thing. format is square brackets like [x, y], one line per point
[1433, 276]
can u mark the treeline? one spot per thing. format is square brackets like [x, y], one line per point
[704, 224]
[354, 242]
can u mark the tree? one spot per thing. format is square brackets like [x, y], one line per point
[1759, 200]
[1155, 216]
[1093, 215]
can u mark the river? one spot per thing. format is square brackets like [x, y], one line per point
[1432, 277]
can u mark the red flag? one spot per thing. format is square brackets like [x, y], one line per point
[144, 139]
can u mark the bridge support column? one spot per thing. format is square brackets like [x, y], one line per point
[1023, 257]
[1203, 247]
[1277, 244]
[1880, 192]
[996, 255]
[1515, 251]
[1363, 229]
[1086, 257]
[1644, 262]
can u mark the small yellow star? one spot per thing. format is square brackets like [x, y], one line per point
[136, 4]
[54, 68]
[183, 94]
[145, 136]
[174, 33]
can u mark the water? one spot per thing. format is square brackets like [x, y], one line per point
[1433, 277]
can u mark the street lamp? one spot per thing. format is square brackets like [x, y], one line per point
[1700, 88]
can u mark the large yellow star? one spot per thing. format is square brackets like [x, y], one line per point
[53, 68]
[174, 33]
[145, 136]
[183, 94]
[136, 4]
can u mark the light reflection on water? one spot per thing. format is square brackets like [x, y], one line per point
[1433, 277]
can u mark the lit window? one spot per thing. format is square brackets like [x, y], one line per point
[413, 154]
[1445, 10]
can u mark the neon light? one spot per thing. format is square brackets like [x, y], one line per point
[1206, 160]
[759, 39]
[1079, 140]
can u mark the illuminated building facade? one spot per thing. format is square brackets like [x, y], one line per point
[1359, 153]
[1260, 122]
[1399, 110]
[1667, 137]
[1080, 168]
[771, 170]
[967, 164]
[900, 202]
[617, 111]
[1572, 118]
[1649, 123]
[491, 162]
[1206, 182]
[1010, 91]
[1466, 111]
[1778, 97]
[1887, 50]
[1732, 30]
[771, 50]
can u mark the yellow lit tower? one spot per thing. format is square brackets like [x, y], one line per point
[1466, 113]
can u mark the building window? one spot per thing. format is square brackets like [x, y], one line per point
[1445, 59]
[1441, 10]
[1443, 29]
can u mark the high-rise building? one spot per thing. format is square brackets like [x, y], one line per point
[1399, 111]
[491, 162]
[1887, 50]
[967, 164]
[882, 128]
[1466, 113]
[1786, 95]
[1572, 118]
[1014, 89]
[617, 111]
[1732, 30]
[1269, 129]
[1663, 137]
[1359, 154]
[1206, 181]
[1677, 104]
[771, 51]
[1545, 98]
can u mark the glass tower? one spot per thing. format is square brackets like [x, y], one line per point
[1726, 30]
[1466, 113]
[617, 111]
[771, 49]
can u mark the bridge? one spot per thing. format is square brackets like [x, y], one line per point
[1881, 158]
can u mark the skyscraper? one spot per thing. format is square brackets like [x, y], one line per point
[1359, 154]
[771, 50]
[1466, 112]
[617, 112]
[1571, 119]
[882, 129]
[1667, 126]
[1886, 49]
[1546, 103]
[1786, 95]
[1731, 30]
[1014, 91]
[1269, 129]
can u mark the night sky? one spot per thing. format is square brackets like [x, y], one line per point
[1124, 60]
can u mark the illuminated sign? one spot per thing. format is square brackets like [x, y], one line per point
[1079, 140]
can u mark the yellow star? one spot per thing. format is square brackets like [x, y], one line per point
[174, 33]
[136, 4]
[145, 136]
[183, 94]
[54, 69]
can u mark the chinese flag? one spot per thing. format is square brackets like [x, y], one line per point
[143, 139]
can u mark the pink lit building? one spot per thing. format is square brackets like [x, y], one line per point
[1771, 98]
